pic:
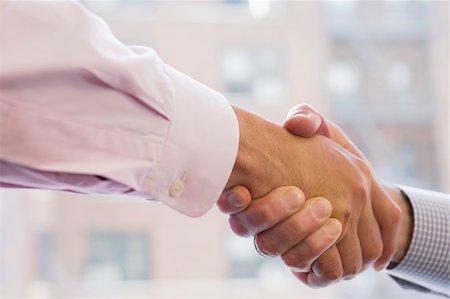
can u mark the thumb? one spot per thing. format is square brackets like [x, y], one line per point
[304, 121]
[234, 200]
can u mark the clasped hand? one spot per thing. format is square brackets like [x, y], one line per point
[318, 205]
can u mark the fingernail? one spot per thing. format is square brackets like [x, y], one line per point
[235, 200]
[293, 199]
[303, 112]
[321, 209]
[381, 267]
[333, 228]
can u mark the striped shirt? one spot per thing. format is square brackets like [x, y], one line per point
[426, 265]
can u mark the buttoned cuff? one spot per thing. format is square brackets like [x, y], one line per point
[427, 261]
[200, 149]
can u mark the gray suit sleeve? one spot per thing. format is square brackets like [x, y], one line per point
[426, 265]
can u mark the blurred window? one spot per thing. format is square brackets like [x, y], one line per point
[245, 262]
[119, 256]
[254, 74]
[407, 157]
[399, 77]
[344, 80]
[238, 71]
[45, 254]
[235, 1]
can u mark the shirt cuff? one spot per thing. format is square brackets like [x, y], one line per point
[200, 149]
[427, 261]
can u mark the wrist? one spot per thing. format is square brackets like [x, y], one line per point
[254, 161]
[406, 222]
[243, 164]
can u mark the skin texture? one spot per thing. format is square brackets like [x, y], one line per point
[336, 171]
[406, 223]
[317, 241]
[283, 217]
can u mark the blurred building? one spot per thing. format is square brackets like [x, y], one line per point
[384, 85]
[377, 68]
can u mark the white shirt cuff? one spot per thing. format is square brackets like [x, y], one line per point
[200, 149]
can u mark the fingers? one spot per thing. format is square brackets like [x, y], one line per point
[300, 257]
[234, 200]
[388, 217]
[369, 238]
[351, 255]
[326, 269]
[303, 120]
[267, 211]
[288, 233]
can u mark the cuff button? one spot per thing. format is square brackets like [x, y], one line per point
[176, 188]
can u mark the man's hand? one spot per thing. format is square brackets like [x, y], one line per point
[283, 223]
[323, 169]
[381, 201]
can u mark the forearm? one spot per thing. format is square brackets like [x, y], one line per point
[92, 107]
[426, 260]
[406, 222]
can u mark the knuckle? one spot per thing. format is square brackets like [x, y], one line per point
[396, 214]
[257, 218]
[264, 245]
[311, 247]
[360, 191]
[298, 226]
[237, 226]
[279, 209]
[292, 261]
[264, 215]
[262, 212]
[333, 274]
[344, 214]
[353, 269]
[328, 271]
[373, 253]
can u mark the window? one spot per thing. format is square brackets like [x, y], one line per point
[399, 78]
[344, 80]
[117, 256]
[407, 157]
[238, 71]
[254, 74]
[259, 8]
[247, 263]
[45, 254]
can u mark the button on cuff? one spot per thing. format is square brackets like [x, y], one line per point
[176, 188]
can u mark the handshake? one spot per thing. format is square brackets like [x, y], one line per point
[316, 202]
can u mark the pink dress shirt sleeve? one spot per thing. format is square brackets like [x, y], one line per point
[82, 112]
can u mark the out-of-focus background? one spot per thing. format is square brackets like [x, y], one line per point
[377, 68]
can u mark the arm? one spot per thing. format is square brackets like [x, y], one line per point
[421, 252]
[74, 100]
[423, 259]
[421, 211]
[422, 249]
[367, 240]
[80, 111]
